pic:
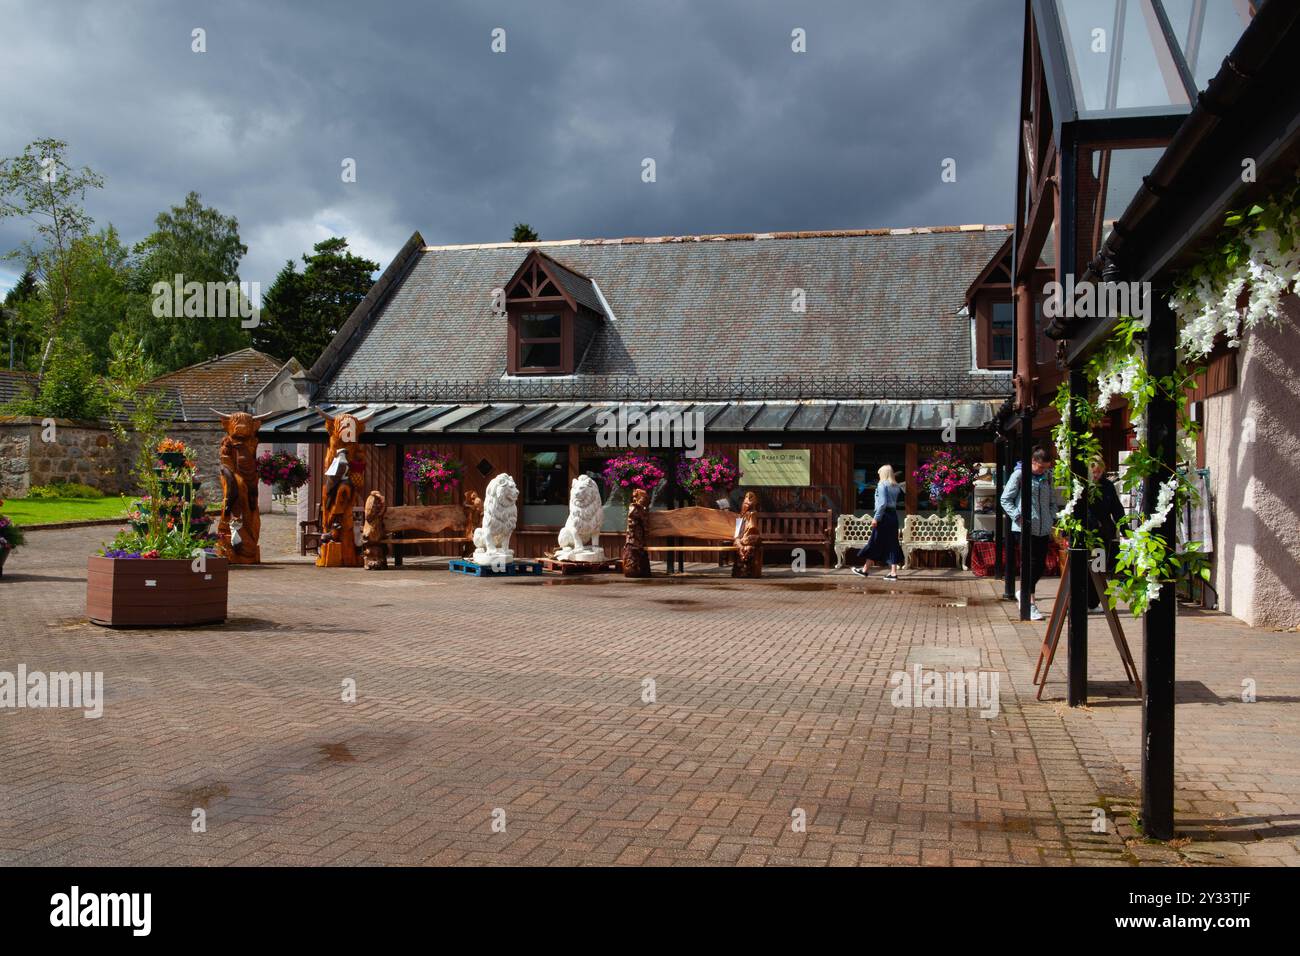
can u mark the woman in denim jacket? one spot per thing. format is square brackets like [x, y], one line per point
[882, 547]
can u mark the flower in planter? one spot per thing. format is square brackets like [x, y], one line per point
[948, 477]
[11, 536]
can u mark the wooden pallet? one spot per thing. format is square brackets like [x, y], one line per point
[512, 568]
[581, 567]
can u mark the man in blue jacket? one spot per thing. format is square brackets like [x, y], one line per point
[1045, 501]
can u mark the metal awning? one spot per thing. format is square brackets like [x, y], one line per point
[416, 423]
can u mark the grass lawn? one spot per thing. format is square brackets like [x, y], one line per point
[31, 512]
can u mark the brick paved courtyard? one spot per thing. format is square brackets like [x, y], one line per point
[522, 700]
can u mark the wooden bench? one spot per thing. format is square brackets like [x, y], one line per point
[797, 529]
[308, 536]
[691, 529]
[934, 532]
[438, 524]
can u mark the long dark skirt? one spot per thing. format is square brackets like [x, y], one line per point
[882, 547]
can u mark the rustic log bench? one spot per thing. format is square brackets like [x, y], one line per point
[384, 524]
[934, 532]
[797, 529]
[691, 529]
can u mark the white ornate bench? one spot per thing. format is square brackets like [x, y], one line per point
[934, 532]
[851, 532]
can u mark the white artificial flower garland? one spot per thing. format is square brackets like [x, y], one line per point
[1249, 294]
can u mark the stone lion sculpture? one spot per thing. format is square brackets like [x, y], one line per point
[580, 536]
[492, 539]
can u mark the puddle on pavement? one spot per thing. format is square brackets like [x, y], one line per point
[336, 753]
[203, 796]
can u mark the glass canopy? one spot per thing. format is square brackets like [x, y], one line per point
[1144, 57]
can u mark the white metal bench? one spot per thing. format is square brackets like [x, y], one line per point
[851, 532]
[934, 532]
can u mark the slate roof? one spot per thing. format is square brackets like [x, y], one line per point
[578, 286]
[413, 422]
[878, 302]
[227, 382]
[15, 384]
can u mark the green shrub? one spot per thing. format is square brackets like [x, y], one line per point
[64, 489]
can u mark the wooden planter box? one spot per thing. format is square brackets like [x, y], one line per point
[139, 592]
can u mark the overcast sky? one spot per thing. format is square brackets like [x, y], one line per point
[460, 142]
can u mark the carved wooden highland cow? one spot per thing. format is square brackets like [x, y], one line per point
[240, 526]
[340, 491]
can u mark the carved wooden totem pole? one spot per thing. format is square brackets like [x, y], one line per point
[344, 470]
[636, 561]
[749, 546]
[240, 525]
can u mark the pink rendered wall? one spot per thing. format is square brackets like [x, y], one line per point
[1253, 452]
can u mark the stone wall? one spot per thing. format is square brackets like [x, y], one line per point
[90, 454]
[36, 451]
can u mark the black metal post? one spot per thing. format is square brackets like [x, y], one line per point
[399, 493]
[999, 442]
[1004, 522]
[1077, 585]
[1158, 625]
[1026, 509]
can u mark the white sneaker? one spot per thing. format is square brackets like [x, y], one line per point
[1034, 613]
[1017, 595]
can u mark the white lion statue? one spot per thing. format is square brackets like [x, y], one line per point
[580, 536]
[492, 540]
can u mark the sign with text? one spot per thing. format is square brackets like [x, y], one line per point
[788, 467]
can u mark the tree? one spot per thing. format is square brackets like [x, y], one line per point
[103, 297]
[22, 311]
[524, 233]
[41, 186]
[302, 311]
[69, 388]
[131, 399]
[201, 245]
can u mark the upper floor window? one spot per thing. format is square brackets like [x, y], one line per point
[540, 342]
[1001, 334]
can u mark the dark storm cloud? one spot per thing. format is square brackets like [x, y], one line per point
[460, 143]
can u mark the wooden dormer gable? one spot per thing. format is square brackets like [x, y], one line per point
[554, 312]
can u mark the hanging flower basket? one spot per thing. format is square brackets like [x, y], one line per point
[624, 474]
[282, 471]
[435, 476]
[708, 477]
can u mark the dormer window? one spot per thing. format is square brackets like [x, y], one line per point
[553, 312]
[541, 342]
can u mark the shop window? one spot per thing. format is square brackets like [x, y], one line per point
[545, 494]
[867, 460]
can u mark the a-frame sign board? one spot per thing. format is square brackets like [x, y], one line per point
[1056, 624]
